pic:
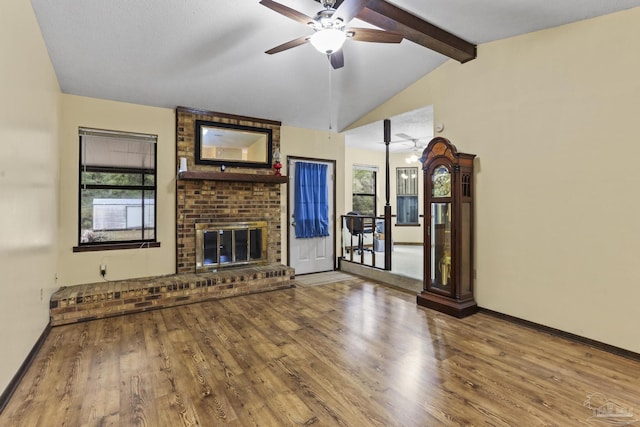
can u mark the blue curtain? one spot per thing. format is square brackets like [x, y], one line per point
[311, 211]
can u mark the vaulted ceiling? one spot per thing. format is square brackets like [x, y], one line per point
[210, 54]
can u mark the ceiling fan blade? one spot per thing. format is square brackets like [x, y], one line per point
[288, 45]
[373, 35]
[405, 136]
[397, 141]
[414, 139]
[337, 59]
[348, 9]
[287, 11]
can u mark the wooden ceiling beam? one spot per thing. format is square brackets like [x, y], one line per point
[391, 18]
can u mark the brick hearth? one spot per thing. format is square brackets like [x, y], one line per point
[106, 299]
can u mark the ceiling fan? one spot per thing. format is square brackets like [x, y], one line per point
[330, 28]
[414, 143]
[414, 140]
[415, 153]
[416, 150]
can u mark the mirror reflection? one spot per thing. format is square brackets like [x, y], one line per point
[223, 143]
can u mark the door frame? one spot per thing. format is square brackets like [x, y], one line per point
[333, 196]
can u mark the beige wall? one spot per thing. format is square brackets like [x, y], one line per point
[29, 110]
[552, 117]
[84, 267]
[318, 145]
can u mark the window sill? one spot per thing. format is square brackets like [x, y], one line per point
[416, 224]
[116, 246]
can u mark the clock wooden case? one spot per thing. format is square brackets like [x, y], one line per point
[448, 234]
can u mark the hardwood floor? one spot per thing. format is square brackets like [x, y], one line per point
[348, 353]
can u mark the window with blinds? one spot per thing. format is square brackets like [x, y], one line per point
[407, 196]
[117, 195]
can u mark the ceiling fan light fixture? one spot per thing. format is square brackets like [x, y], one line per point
[411, 159]
[328, 40]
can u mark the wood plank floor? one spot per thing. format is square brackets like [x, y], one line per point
[345, 353]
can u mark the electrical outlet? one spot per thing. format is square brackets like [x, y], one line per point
[103, 270]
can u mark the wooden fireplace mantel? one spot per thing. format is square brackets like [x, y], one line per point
[234, 177]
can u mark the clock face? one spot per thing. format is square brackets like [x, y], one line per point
[441, 179]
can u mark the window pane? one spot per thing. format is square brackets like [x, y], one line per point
[363, 204]
[407, 210]
[112, 215]
[364, 181]
[115, 151]
[407, 181]
[149, 215]
[110, 178]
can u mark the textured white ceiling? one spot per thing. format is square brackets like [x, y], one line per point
[209, 54]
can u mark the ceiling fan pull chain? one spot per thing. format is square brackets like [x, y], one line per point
[330, 97]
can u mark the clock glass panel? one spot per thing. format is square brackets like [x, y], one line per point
[441, 246]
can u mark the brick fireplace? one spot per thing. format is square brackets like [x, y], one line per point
[205, 198]
[205, 195]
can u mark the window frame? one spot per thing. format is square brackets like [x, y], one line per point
[143, 187]
[400, 192]
[374, 170]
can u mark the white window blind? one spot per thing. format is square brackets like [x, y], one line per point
[117, 149]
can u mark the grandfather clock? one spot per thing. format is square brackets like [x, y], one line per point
[448, 234]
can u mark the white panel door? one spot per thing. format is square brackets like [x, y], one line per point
[311, 255]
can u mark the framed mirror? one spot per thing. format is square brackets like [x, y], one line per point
[232, 145]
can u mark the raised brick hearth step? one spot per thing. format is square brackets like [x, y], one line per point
[104, 299]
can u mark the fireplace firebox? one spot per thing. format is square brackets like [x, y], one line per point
[227, 245]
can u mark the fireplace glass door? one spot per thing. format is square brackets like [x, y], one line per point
[230, 244]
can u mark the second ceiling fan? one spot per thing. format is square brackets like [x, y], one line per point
[330, 28]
